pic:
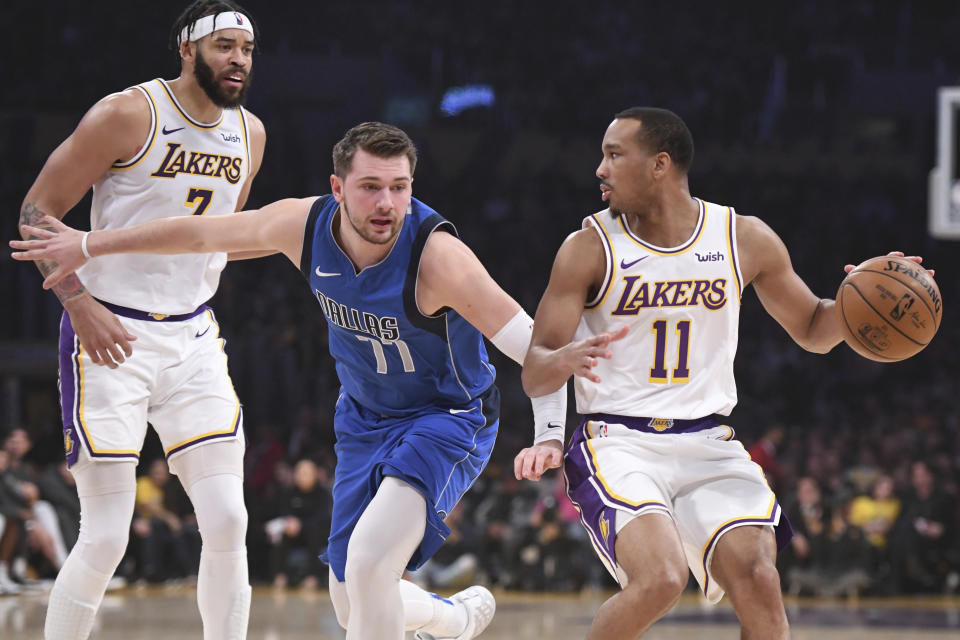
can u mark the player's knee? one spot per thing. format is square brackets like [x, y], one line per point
[663, 585]
[368, 567]
[763, 577]
[103, 547]
[226, 530]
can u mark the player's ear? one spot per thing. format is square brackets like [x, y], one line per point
[661, 164]
[187, 50]
[336, 187]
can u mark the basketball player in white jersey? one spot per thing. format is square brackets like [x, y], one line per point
[643, 309]
[162, 148]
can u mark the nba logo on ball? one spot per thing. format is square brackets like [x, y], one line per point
[890, 308]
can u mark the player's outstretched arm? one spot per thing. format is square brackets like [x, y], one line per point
[112, 130]
[275, 227]
[812, 322]
[452, 276]
[578, 271]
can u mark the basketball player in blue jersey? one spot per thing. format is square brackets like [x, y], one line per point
[642, 308]
[407, 305]
[180, 148]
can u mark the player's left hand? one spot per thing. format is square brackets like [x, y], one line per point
[531, 463]
[897, 254]
[61, 246]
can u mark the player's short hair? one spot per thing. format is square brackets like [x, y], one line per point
[663, 130]
[202, 8]
[376, 138]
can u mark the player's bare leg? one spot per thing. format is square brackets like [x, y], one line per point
[744, 564]
[650, 552]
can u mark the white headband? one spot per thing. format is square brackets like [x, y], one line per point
[226, 20]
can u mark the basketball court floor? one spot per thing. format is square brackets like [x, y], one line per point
[161, 613]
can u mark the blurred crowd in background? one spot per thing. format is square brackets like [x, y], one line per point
[818, 117]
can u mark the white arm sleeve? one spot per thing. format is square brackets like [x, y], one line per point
[549, 411]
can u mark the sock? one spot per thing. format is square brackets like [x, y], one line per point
[425, 611]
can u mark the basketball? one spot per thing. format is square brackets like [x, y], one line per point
[890, 308]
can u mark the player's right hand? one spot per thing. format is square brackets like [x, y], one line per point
[60, 246]
[104, 339]
[582, 356]
[531, 462]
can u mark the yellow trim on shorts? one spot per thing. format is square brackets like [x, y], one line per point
[749, 520]
[236, 414]
[81, 420]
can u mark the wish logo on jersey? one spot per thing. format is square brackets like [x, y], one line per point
[197, 163]
[638, 294]
[383, 327]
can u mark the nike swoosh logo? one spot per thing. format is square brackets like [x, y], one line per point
[325, 274]
[455, 411]
[167, 132]
[201, 333]
[626, 265]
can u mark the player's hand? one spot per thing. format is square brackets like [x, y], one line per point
[104, 339]
[582, 356]
[61, 246]
[897, 254]
[533, 461]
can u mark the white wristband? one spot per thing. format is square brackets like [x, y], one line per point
[550, 416]
[83, 246]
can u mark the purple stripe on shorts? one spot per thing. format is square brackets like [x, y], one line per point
[783, 531]
[68, 389]
[212, 436]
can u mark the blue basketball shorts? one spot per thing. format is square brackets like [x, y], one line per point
[439, 451]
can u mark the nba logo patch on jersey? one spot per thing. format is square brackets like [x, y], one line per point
[604, 526]
[660, 424]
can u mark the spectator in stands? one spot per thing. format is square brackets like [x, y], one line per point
[299, 531]
[164, 527]
[922, 537]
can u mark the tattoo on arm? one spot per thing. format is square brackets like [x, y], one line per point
[70, 287]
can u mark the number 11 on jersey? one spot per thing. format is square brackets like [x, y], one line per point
[658, 372]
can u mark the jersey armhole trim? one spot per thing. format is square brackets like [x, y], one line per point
[306, 253]
[246, 136]
[151, 136]
[435, 324]
[732, 247]
[610, 264]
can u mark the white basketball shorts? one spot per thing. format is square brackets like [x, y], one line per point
[697, 475]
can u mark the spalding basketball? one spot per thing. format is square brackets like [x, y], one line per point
[890, 308]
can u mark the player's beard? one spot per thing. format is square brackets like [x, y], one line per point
[207, 80]
[368, 236]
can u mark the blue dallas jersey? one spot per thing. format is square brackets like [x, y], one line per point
[391, 358]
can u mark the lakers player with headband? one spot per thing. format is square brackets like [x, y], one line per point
[208, 24]
[131, 147]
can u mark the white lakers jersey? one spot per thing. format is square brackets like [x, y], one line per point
[184, 168]
[682, 305]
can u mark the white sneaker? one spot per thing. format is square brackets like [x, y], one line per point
[480, 606]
